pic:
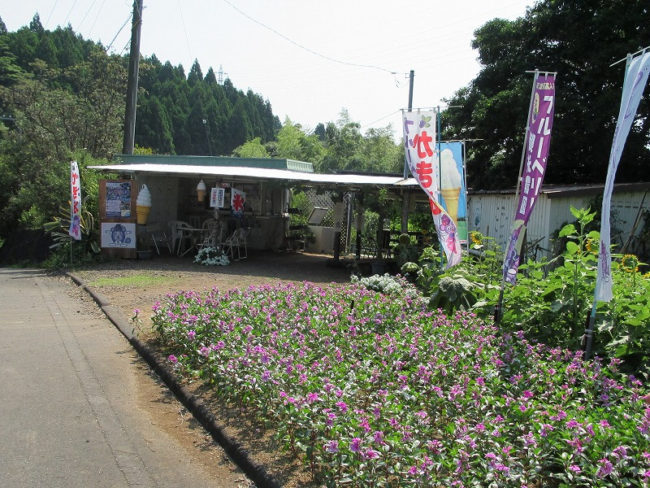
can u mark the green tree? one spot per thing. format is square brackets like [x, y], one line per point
[579, 41]
[251, 149]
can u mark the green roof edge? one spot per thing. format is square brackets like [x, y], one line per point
[267, 163]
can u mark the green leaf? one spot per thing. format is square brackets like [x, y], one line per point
[568, 230]
[572, 247]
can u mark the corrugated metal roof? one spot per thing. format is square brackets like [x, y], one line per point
[554, 191]
[256, 174]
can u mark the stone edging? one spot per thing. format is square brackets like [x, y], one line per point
[194, 404]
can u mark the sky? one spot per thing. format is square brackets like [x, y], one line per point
[309, 58]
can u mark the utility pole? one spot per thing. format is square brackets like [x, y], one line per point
[406, 194]
[132, 83]
[410, 107]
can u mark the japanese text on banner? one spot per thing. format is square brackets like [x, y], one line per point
[419, 143]
[538, 142]
[75, 202]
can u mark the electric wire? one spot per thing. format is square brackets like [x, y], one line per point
[118, 32]
[86, 15]
[187, 37]
[71, 9]
[311, 51]
[50, 14]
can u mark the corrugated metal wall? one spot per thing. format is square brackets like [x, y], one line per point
[491, 214]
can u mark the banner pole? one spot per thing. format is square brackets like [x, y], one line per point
[589, 333]
[499, 305]
[438, 129]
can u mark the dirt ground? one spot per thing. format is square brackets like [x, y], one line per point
[167, 275]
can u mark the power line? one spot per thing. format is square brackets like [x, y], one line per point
[187, 37]
[86, 15]
[311, 51]
[51, 12]
[71, 9]
[364, 126]
[118, 32]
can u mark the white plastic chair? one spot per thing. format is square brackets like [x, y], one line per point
[236, 242]
[180, 234]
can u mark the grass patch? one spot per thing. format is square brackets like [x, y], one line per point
[134, 281]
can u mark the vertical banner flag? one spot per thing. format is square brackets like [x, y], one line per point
[636, 77]
[420, 141]
[237, 200]
[450, 172]
[537, 143]
[75, 202]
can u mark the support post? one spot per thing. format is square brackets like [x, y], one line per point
[132, 84]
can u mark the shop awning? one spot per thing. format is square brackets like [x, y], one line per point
[256, 174]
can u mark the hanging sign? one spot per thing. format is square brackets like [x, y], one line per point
[75, 202]
[537, 144]
[419, 142]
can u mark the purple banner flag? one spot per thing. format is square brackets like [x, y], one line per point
[538, 141]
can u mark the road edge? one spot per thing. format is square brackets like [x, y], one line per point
[256, 472]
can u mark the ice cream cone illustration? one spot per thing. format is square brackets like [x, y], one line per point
[450, 183]
[143, 205]
[201, 190]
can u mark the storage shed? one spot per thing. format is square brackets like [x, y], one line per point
[491, 213]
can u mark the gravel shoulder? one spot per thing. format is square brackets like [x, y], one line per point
[139, 284]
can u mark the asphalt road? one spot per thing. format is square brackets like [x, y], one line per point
[69, 409]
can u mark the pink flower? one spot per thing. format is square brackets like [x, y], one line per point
[575, 468]
[172, 359]
[343, 406]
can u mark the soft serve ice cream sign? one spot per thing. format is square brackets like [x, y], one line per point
[450, 173]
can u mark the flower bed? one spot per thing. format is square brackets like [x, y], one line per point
[376, 390]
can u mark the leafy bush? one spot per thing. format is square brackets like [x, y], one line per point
[552, 299]
[376, 390]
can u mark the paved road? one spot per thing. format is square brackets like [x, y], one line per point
[69, 415]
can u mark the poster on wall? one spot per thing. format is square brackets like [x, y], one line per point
[217, 197]
[118, 199]
[118, 235]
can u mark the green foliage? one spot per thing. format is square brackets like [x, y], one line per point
[493, 107]
[66, 250]
[551, 300]
[370, 389]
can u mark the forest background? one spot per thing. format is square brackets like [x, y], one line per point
[63, 97]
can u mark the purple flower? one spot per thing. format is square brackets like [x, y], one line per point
[605, 469]
[172, 359]
[204, 351]
[369, 454]
[355, 445]
[343, 406]
[332, 446]
[575, 468]
[191, 335]
[379, 437]
[620, 452]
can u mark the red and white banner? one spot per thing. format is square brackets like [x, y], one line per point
[237, 201]
[75, 202]
[422, 156]
[636, 77]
